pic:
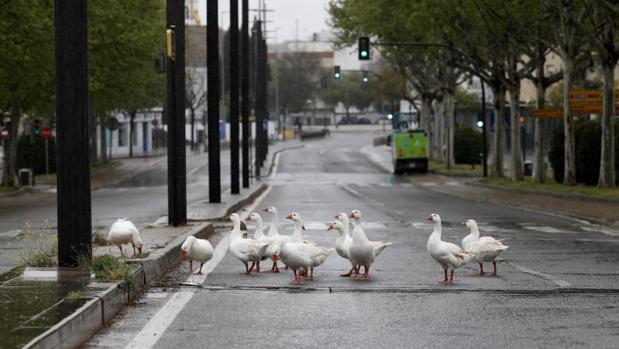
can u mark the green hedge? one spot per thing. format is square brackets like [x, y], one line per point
[31, 153]
[588, 150]
[468, 145]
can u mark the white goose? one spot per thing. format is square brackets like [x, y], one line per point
[273, 249]
[448, 255]
[483, 249]
[343, 240]
[363, 251]
[125, 232]
[197, 250]
[245, 249]
[274, 234]
[298, 254]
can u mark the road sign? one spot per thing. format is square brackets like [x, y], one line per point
[4, 133]
[589, 96]
[548, 113]
[46, 132]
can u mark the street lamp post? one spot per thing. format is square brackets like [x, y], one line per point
[72, 136]
[175, 109]
[212, 65]
[245, 91]
[485, 127]
[234, 97]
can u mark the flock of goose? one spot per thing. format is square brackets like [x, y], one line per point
[302, 256]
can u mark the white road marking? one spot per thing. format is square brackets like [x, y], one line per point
[554, 280]
[150, 334]
[600, 229]
[452, 183]
[544, 229]
[428, 184]
[406, 185]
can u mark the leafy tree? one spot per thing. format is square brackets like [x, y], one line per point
[350, 90]
[299, 75]
[26, 69]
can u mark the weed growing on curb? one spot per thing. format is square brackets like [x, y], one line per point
[38, 252]
[109, 268]
[74, 295]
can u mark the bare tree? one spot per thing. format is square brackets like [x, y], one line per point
[195, 95]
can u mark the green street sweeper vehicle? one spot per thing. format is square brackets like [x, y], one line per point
[410, 148]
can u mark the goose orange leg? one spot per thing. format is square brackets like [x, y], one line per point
[366, 275]
[494, 266]
[481, 270]
[296, 280]
[200, 271]
[446, 280]
[349, 272]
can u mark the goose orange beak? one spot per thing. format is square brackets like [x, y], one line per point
[289, 216]
[266, 209]
[429, 218]
[183, 253]
[352, 215]
[330, 227]
[247, 219]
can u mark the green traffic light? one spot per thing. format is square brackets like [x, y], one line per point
[337, 75]
[365, 79]
[364, 53]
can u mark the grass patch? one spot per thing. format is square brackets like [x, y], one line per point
[554, 187]
[109, 268]
[13, 273]
[143, 255]
[74, 295]
[7, 189]
[50, 179]
[456, 170]
[39, 252]
[99, 238]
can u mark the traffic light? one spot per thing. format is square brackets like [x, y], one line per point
[336, 72]
[36, 127]
[364, 48]
[366, 78]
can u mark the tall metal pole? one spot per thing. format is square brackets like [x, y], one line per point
[72, 147]
[234, 96]
[485, 127]
[175, 109]
[258, 95]
[212, 65]
[265, 101]
[245, 91]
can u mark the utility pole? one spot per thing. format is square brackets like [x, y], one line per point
[72, 149]
[258, 95]
[212, 66]
[245, 91]
[484, 127]
[175, 107]
[265, 101]
[234, 96]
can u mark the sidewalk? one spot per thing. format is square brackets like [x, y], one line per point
[593, 209]
[53, 307]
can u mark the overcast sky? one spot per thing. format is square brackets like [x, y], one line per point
[312, 16]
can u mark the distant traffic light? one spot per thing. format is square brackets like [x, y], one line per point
[337, 72]
[364, 48]
[366, 78]
[36, 127]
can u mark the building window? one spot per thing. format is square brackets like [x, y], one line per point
[123, 137]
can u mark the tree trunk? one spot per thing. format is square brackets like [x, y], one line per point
[193, 122]
[607, 159]
[103, 142]
[131, 131]
[449, 133]
[568, 124]
[204, 136]
[516, 173]
[496, 170]
[425, 120]
[439, 122]
[539, 167]
[10, 152]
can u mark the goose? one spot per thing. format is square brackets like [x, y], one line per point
[125, 232]
[298, 254]
[273, 249]
[343, 240]
[363, 251]
[273, 233]
[483, 249]
[245, 249]
[197, 249]
[448, 255]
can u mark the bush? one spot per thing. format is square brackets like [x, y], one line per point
[31, 153]
[468, 146]
[588, 152]
[109, 268]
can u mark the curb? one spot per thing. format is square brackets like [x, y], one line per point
[14, 192]
[275, 156]
[545, 192]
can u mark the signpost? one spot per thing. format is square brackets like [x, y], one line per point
[46, 134]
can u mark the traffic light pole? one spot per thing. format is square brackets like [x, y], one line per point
[485, 127]
[245, 91]
[265, 102]
[212, 66]
[258, 95]
[72, 136]
[175, 109]
[234, 97]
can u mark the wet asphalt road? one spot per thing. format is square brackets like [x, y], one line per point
[142, 198]
[558, 285]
